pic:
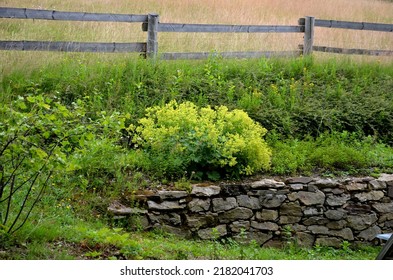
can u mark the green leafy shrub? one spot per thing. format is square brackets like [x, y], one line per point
[101, 158]
[35, 137]
[182, 137]
[42, 142]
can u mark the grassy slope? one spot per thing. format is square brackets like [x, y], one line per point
[296, 100]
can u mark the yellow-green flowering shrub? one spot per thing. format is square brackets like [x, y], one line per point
[182, 137]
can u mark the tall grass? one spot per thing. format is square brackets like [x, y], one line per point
[194, 11]
[226, 11]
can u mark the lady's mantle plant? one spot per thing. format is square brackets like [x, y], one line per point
[205, 141]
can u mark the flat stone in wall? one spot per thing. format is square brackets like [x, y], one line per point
[205, 191]
[172, 194]
[165, 205]
[239, 213]
[312, 211]
[337, 200]
[196, 222]
[224, 204]
[267, 215]
[239, 226]
[370, 196]
[335, 215]
[271, 199]
[361, 222]
[213, 233]
[370, 233]
[383, 207]
[337, 224]
[199, 205]
[305, 239]
[267, 226]
[254, 235]
[249, 202]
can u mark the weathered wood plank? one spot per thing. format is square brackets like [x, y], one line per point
[72, 46]
[205, 55]
[72, 16]
[354, 25]
[353, 51]
[309, 24]
[152, 35]
[219, 28]
[173, 27]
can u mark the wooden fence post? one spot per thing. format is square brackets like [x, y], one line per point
[308, 35]
[152, 38]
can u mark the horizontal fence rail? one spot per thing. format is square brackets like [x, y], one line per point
[381, 27]
[354, 25]
[350, 51]
[18, 13]
[218, 28]
[152, 25]
[72, 46]
[69, 16]
[353, 51]
[365, 26]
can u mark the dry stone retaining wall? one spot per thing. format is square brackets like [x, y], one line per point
[313, 210]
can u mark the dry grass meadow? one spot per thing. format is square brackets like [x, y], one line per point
[264, 12]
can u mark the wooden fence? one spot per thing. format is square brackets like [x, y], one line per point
[152, 25]
[351, 26]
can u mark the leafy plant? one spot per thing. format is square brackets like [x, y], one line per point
[184, 183]
[33, 142]
[38, 136]
[182, 137]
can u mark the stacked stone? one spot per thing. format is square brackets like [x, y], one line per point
[312, 210]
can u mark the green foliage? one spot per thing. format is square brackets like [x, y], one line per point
[38, 137]
[290, 156]
[182, 137]
[184, 183]
[33, 142]
[105, 238]
[338, 151]
[330, 152]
